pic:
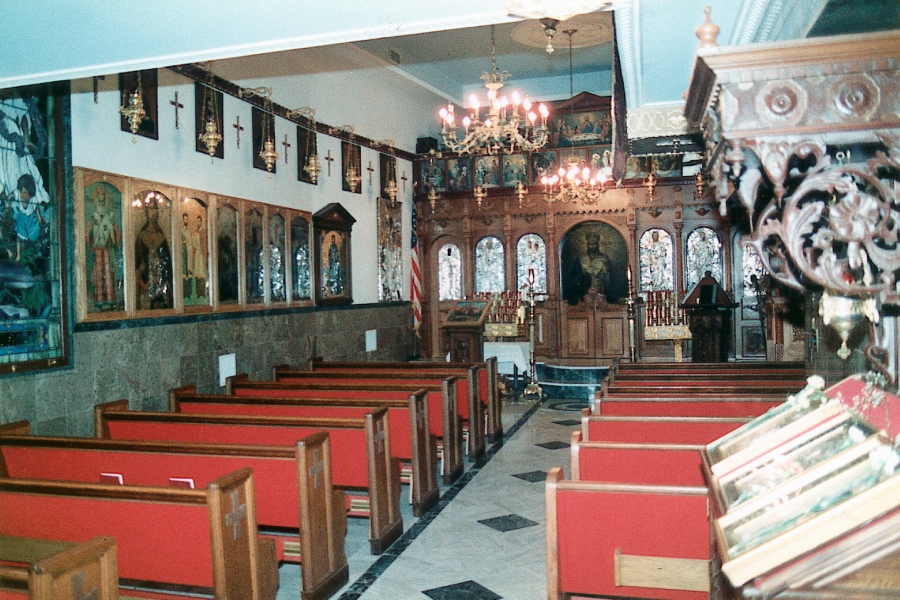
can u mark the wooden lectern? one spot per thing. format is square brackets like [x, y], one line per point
[464, 330]
[709, 309]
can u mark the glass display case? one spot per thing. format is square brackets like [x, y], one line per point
[798, 414]
[796, 457]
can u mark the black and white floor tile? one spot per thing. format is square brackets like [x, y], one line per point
[485, 539]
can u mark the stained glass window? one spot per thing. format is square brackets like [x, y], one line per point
[300, 253]
[656, 261]
[490, 272]
[449, 273]
[702, 254]
[276, 258]
[531, 255]
[751, 265]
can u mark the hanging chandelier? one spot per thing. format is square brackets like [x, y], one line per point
[134, 111]
[510, 124]
[267, 152]
[211, 138]
[575, 182]
[312, 168]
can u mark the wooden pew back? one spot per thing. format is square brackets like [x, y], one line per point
[652, 464]
[360, 449]
[443, 408]
[684, 407]
[407, 421]
[657, 430]
[40, 569]
[203, 541]
[636, 541]
[469, 405]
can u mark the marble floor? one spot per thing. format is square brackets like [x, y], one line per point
[485, 539]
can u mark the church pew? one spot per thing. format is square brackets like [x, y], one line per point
[194, 543]
[470, 408]
[407, 421]
[443, 413]
[657, 430]
[360, 450]
[487, 376]
[43, 569]
[775, 369]
[296, 506]
[626, 540]
[623, 462]
[748, 406]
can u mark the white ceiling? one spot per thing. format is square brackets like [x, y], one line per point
[444, 46]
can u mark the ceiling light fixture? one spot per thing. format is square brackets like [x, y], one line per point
[510, 125]
[549, 26]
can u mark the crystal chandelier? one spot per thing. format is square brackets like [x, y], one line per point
[575, 182]
[510, 124]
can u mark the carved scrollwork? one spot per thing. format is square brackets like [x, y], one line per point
[839, 229]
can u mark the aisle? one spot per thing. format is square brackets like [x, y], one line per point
[486, 537]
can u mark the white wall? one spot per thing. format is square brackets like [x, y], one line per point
[377, 102]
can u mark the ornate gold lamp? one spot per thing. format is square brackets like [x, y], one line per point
[312, 168]
[211, 138]
[267, 153]
[134, 111]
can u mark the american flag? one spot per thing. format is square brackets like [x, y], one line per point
[415, 279]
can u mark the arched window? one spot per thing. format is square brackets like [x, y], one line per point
[657, 272]
[531, 255]
[702, 253]
[449, 273]
[490, 274]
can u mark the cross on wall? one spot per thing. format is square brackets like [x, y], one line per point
[404, 181]
[330, 160]
[238, 513]
[316, 468]
[239, 129]
[286, 145]
[177, 105]
[370, 170]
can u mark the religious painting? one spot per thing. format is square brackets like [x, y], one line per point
[754, 342]
[702, 254]
[101, 219]
[194, 252]
[449, 273]
[146, 83]
[600, 159]
[487, 171]
[254, 265]
[332, 264]
[351, 167]
[467, 311]
[531, 264]
[332, 226]
[263, 129]
[390, 251]
[490, 265]
[227, 253]
[543, 164]
[594, 259]
[153, 267]
[666, 165]
[34, 332]
[637, 167]
[434, 175]
[301, 274]
[209, 117]
[590, 128]
[514, 170]
[656, 260]
[459, 174]
[277, 266]
[307, 147]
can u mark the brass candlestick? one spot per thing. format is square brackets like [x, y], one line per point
[532, 391]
